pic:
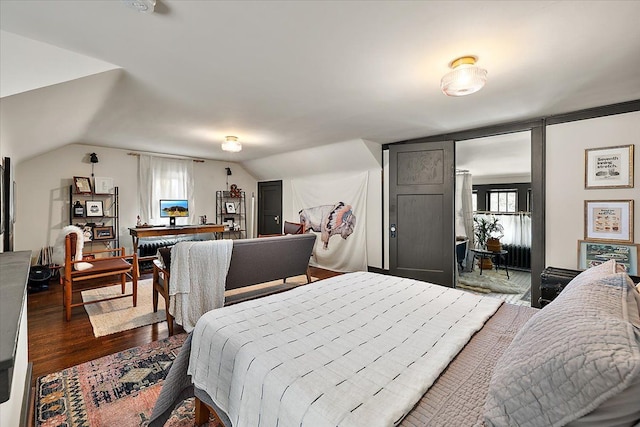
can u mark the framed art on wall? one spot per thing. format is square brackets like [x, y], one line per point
[591, 254]
[608, 220]
[103, 185]
[94, 208]
[82, 184]
[608, 167]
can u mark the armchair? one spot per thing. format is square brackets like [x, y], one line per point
[82, 273]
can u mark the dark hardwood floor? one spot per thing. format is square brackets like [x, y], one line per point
[56, 344]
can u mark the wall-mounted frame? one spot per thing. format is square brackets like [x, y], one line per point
[230, 207]
[608, 167]
[94, 208]
[103, 233]
[103, 185]
[608, 220]
[82, 184]
[591, 254]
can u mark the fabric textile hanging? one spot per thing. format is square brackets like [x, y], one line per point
[464, 213]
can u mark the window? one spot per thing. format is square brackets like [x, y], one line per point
[503, 201]
[474, 201]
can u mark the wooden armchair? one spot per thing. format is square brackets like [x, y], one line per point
[103, 271]
[161, 276]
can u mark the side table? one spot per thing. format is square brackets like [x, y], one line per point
[496, 257]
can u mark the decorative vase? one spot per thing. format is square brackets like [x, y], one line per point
[493, 244]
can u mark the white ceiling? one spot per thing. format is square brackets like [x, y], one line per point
[289, 75]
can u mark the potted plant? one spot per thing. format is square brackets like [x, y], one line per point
[488, 231]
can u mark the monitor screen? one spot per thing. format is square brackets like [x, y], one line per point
[173, 209]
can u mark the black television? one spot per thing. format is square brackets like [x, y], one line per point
[172, 209]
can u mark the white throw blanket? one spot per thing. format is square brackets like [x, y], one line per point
[355, 350]
[58, 254]
[197, 280]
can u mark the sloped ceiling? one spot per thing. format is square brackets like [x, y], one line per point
[285, 76]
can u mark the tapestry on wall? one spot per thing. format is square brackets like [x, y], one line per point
[334, 208]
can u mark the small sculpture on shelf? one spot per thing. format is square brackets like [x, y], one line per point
[235, 191]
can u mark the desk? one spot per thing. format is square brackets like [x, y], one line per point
[495, 256]
[138, 232]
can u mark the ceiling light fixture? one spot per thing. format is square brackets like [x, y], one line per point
[465, 78]
[146, 6]
[231, 144]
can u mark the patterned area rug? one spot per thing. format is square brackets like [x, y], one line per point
[115, 390]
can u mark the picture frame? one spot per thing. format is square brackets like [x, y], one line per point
[230, 207]
[608, 167]
[82, 184]
[103, 233]
[103, 185]
[608, 220]
[94, 208]
[591, 254]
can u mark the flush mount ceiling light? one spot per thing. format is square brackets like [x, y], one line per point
[231, 144]
[146, 6]
[465, 78]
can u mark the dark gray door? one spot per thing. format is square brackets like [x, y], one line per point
[270, 207]
[421, 211]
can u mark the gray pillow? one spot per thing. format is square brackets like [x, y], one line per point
[579, 355]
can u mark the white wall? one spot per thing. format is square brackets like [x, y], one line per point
[43, 190]
[565, 192]
[343, 157]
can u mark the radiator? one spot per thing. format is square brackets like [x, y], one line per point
[149, 247]
[518, 256]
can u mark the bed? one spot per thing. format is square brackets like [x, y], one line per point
[365, 349]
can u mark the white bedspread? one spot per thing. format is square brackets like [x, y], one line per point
[197, 280]
[356, 350]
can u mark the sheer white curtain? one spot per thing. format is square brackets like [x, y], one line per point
[517, 229]
[163, 178]
[464, 212]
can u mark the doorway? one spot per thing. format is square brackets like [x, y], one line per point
[493, 186]
[269, 207]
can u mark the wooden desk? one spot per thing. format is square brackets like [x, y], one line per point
[141, 232]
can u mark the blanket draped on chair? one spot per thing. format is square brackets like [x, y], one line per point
[197, 280]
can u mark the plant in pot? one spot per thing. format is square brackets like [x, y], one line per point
[488, 231]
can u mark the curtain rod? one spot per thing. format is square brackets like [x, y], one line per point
[168, 156]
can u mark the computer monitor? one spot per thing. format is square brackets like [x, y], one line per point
[174, 208]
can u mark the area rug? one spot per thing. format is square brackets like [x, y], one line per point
[116, 390]
[110, 317]
[489, 281]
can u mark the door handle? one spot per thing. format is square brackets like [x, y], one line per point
[277, 218]
[392, 229]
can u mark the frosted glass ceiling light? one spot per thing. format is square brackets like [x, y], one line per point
[465, 78]
[231, 144]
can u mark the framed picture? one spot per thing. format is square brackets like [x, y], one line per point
[608, 167]
[82, 184]
[591, 254]
[608, 220]
[103, 185]
[230, 207]
[94, 208]
[103, 233]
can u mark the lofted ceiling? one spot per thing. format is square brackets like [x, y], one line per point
[288, 75]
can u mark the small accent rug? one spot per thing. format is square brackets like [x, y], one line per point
[109, 317]
[116, 390]
[489, 281]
